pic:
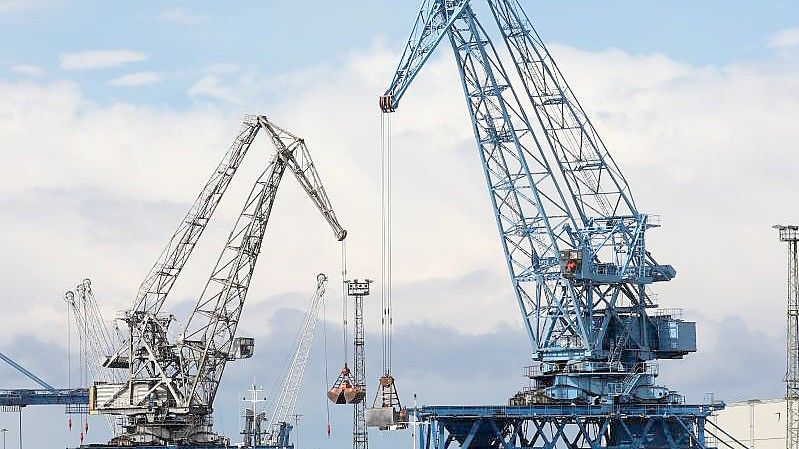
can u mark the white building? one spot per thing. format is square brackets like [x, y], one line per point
[757, 423]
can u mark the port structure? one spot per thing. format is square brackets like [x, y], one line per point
[75, 399]
[167, 395]
[358, 291]
[789, 234]
[575, 244]
[633, 426]
[350, 386]
[14, 400]
[272, 428]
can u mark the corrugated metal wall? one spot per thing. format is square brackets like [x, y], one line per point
[759, 424]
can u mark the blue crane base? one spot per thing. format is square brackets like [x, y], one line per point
[26, 397]
[628, 426]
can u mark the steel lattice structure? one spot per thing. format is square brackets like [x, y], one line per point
[360, 434]
[171, 385]
[572, 426]
[790, 235]
[279, 425]
[12, 399]
[100, 339]
[573, 238]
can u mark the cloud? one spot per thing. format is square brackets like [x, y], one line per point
[731, 353]
[99, 190]
[10, 5]
[27, 69]
[137, 79]
[17, 5]
[99, 59]
[182, 17]
[435, 362]
[210, 85]
[227, 84]
[784, 39]
[685, 160]
[223, 68]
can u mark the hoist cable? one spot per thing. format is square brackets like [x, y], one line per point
[81, 353]
[69, 361]
[344, 297]
[69, 349]
[386, 239]
[389, 257]
[383, 239]
[327, 373]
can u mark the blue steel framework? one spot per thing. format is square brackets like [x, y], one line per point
[47, 395]
[572, 235]
[575, 426]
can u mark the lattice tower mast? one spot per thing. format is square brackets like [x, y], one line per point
[358, 291]
[790, 235]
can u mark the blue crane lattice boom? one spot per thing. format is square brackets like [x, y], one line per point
[573, 238]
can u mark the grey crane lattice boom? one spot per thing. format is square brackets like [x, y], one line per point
[573, 238]
[169, 394]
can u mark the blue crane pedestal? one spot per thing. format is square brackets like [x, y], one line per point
[628, 426]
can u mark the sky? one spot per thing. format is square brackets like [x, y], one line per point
[113, 114]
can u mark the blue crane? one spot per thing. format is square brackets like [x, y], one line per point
[574, 241]
[47, 395]
[271, 429]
